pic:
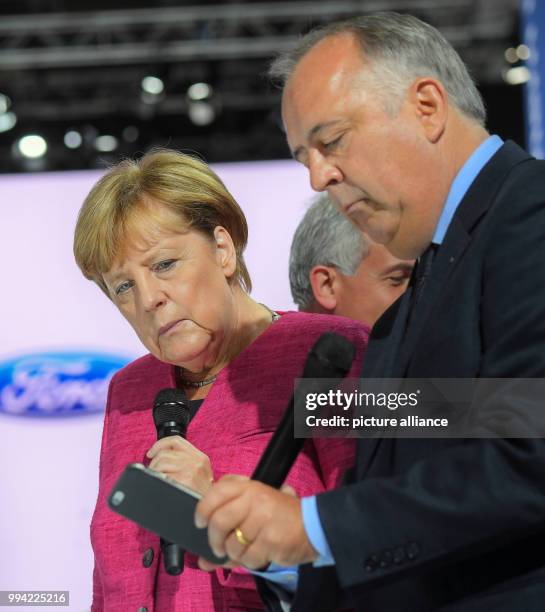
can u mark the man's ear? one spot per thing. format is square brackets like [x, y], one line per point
[225, 251]
[430, 101]
[323, 280]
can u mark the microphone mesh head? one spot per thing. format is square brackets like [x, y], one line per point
[171, 405]
[332, 356]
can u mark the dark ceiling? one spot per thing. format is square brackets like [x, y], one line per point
[78, 66]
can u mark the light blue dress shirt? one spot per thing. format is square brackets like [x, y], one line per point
[286, 577]
[465, 177]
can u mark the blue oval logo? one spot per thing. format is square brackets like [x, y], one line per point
[57, 383]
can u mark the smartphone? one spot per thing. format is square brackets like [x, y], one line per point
[162, 506]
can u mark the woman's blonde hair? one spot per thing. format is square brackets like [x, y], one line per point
[121, 201]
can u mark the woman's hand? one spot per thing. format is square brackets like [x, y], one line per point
[181, 461]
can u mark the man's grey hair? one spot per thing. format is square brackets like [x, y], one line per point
[401, 48]
[323, 237]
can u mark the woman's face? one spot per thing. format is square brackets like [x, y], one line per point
[173, 288]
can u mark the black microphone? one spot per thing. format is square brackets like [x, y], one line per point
[330, 357]
[171, 416]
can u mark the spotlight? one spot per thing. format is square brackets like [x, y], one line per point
[523, 52]
[73, 139]
[199, 91]
[106, 143]
[152, 85]
[201, 113]
[130, 133]
[511, 55]
[5, 103]
[516, 75]
[7, 121]
[32, 146]
[149, 99]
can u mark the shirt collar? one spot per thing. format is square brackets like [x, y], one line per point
[462, 182]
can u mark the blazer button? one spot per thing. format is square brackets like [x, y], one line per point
[371, 563]
[399, 555]
[413, 550]
[385, 559]
[147, 559]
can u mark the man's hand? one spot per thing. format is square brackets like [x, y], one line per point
[269, 520]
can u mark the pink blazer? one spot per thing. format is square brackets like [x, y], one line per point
[232, 426]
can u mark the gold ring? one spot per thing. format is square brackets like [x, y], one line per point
[240, 538]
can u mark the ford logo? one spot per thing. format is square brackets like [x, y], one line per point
[57, 383]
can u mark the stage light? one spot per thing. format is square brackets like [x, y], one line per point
[199, 91]
[73, 139]
[511, 55]
[32, 146]
[130, 133]
[523, 52]
[5, 103]
[516, 75]
[152, 85]
[106, 143]
[149, 99]
[201, 113]
[7, 121]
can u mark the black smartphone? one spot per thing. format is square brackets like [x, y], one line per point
[162, 506]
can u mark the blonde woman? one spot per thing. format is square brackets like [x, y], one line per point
[164, 240]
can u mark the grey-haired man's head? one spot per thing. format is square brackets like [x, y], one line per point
[383, 113]
[335, 269]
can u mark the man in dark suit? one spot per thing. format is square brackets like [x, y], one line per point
[384, 115]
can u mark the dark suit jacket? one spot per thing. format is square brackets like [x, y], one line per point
[453, 524]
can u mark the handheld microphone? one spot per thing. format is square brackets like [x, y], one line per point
[330, 357]
[171, 416]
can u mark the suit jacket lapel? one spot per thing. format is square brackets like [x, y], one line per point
[476, 202]
[447, 256]
[380, 362]
[386, 338]
[392, 345]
